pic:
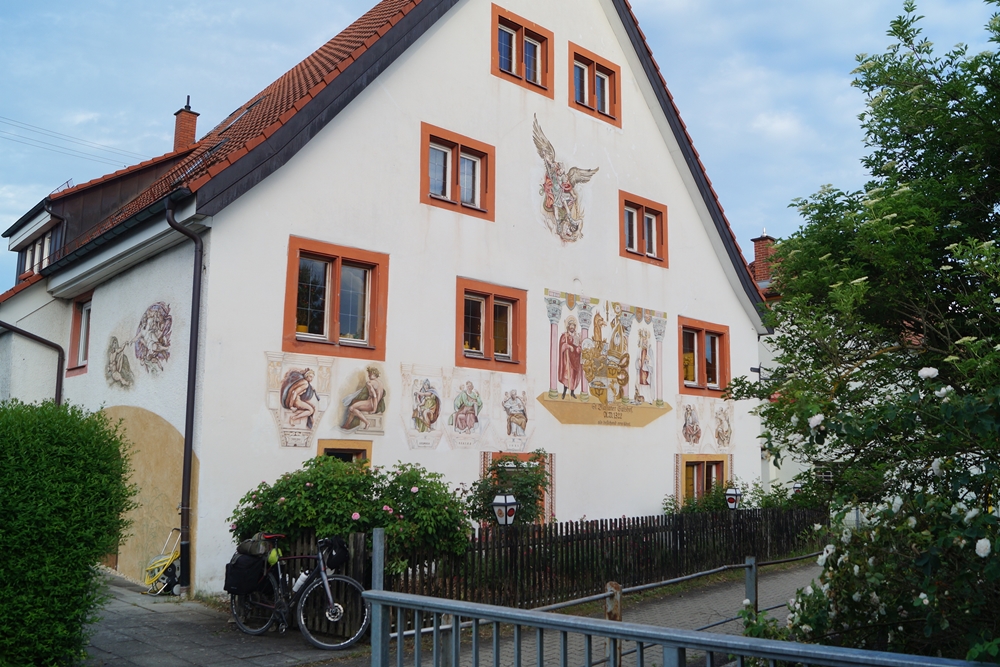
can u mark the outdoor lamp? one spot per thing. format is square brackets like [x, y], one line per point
[504, 508]
[733, 496]
[797, 487]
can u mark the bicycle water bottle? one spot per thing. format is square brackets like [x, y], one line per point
[298, 582]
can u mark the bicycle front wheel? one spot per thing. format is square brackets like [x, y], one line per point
[254, 612]
[337, 626]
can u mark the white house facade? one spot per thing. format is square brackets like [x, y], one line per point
[458, 229]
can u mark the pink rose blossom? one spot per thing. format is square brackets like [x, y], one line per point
[281, 499]
[387, 508]
[355, 516]
[309, 485]
[414, 490]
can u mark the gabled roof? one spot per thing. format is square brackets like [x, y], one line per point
[263, 134]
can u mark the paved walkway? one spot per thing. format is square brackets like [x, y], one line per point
[141, 631]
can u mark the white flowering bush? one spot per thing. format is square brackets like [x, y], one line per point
[923, 577]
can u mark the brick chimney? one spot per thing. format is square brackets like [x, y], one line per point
[763, 248]
[185, 127]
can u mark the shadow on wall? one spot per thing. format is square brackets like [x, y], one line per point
[157, 463]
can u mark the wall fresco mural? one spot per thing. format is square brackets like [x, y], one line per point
[467, 423]
[150, 347]
[364, 399]
[298, 394]
[561, 205]
[423, 416]
[513, 416]
[604, 367]
[706, 426]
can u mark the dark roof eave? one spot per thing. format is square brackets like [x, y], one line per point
[687, 149]
[116, 231]
[24, 219]
[237, 179]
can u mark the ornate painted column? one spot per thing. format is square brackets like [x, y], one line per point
[627, 318]
[659, 329]
[586, 317]
[553, 308]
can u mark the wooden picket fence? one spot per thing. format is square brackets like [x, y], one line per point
[532, 566]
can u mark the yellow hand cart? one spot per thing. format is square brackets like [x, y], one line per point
[163, 571]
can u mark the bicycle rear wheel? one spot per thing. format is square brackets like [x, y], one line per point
[255, 611]
[339, 626]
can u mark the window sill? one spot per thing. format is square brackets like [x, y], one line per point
[321, 341]
[474, 208]
[608, 117]
[443, 200]
[76, 370]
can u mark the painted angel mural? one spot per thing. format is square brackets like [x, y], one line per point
[560, 203]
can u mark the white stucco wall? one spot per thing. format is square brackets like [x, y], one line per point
[357, 184]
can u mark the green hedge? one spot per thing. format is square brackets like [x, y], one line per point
[63, 494]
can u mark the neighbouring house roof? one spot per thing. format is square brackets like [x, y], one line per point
[263, 134]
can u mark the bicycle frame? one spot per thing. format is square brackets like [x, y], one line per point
[286, 599]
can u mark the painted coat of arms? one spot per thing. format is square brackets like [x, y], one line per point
[560, 200]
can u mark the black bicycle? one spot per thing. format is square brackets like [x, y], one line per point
[329, 608]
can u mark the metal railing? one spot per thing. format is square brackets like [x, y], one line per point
[508, 636]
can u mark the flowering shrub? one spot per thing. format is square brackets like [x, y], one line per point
[922, 577]
[527, 481]
[416, 507]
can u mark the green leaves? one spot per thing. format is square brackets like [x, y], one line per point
[64, 492]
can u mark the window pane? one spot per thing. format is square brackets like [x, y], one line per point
[501, 329]
[650, 235]
[505, 46]
[469, 180]
[630, 230]
[438, 171]
[310, 312]
[472, 335]
[601, 92]
[690, 348]
[353, 303]
[531, 69]
[712, 359]
[84, 333]
[580, 82]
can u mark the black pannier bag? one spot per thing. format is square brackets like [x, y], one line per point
[339, 553]
[243, 574]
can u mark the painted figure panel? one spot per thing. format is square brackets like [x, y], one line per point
[298, 394]
[150, 347]
[561, 207]
[364, 404]
[468, 423]
[422, 415]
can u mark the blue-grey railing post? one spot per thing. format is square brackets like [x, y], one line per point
[380, 613]
[751, 579]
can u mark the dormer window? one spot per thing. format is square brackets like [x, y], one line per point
[35, 256]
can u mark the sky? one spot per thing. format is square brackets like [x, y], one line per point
[764, 86]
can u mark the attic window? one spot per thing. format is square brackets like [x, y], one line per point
[244, 113]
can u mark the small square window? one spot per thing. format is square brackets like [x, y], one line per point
[643, 229]
[335, 300]
[491, 327]
[704, 357]
[457, 173]
[522, 52]
[594, 85]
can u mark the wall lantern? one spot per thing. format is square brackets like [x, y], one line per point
[504, 508]
[733, 496]
[797, 487]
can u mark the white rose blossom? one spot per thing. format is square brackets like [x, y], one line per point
[927, 373]
[983, 548]
[912, 522]
[944, 391]
[897, 502]
[936, 467]
[970, 515]
[816, 420]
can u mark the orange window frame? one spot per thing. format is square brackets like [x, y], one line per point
[378, 265]
[595, 64]
[518, 339]
[700, 463]
[523, 28]
[700, 328]
[458, 144]
[74, 367]
[642, 206]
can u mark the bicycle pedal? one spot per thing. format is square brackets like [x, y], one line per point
[282, 628]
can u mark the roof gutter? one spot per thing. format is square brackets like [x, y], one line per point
[185, 575]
